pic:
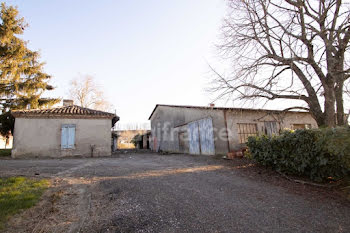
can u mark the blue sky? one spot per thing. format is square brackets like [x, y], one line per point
[140, 52]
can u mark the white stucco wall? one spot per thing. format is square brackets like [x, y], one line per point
[35, 137]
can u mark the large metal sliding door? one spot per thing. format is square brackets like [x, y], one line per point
[206, 136]
[193, 138]
[201, 137]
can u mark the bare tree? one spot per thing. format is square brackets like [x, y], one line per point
[289, 49]
[86, 93]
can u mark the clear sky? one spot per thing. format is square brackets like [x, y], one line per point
[140, 52]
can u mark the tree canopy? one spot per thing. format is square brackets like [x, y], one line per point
[85, 92]
[293, 49]
[22, 80]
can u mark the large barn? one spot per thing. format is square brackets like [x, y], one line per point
[217, 130]
[64, 131]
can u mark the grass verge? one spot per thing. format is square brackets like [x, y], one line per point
[18, 193]
[5, 152]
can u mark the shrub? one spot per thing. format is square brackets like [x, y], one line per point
[319, 154]
[5, 152]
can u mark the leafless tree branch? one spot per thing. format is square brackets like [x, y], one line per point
[85, 92]
[292, 49]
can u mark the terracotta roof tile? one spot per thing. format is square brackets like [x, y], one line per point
[72, 110]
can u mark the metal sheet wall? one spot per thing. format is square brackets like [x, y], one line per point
[206, 136]
[201, 137]
[193, 138]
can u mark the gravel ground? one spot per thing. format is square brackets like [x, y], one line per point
[173, 193]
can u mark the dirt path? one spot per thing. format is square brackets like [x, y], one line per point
[173, 193]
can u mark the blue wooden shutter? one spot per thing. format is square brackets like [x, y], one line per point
[71, 136]
[68, 136]
[64, 137]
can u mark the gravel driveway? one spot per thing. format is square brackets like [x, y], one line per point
[172, 193]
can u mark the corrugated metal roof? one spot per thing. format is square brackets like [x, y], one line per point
[220, 108]
[72, 110]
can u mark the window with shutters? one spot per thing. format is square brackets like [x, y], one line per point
[68, 136]
[246, 130]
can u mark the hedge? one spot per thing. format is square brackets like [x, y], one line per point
[319, 154]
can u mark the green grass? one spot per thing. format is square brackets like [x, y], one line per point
[18, 193]
[5, 152]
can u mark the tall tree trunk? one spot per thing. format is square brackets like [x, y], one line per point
[340, 103]
[316, 111]
[329, 105]
[319, 118]
[339, 88]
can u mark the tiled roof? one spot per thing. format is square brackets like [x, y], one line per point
[65, 111]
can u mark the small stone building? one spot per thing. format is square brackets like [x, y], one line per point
[216, 130]
[64, 131]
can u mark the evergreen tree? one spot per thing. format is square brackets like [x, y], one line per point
[22, 80]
